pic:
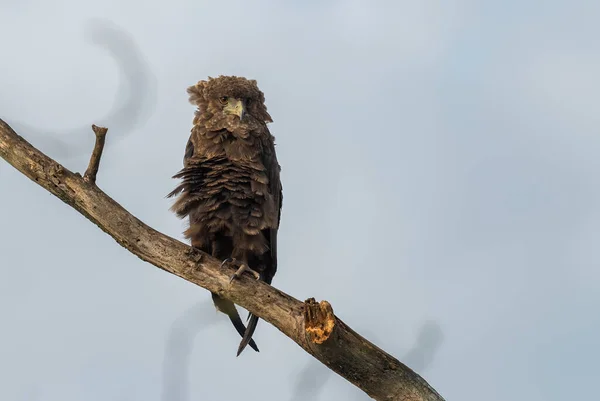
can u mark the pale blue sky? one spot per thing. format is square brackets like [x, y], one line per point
[440, 164]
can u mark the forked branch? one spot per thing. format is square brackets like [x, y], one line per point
[313, 326]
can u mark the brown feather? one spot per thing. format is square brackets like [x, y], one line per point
[230, 189]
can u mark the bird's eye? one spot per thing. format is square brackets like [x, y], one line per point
[223, 99]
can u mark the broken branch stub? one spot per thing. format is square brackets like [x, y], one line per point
[319, 320]
[94, 165]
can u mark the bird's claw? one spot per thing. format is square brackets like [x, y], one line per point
[241, 268]
[244, 268]
[228, 260]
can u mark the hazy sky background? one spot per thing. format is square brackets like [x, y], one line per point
[440, 171]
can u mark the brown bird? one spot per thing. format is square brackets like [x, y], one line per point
[230, 187]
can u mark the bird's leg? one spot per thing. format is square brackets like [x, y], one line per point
[244, 268]
[241, 262]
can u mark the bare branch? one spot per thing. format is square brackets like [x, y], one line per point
[92, 170]
[377, 373]
[310, 382]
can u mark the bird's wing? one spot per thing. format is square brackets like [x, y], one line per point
[269, 159]
[192, 174]
[276, 190]
[189, 151]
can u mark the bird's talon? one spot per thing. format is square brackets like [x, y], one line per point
[228, 260]
[244, 268]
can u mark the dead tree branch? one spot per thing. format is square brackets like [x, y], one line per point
[312, 325]
[92, 170]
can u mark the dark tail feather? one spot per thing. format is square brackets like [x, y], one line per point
[253, 321]
[228, 308]
[247, 336]
[239, 326]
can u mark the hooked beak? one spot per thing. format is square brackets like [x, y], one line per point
[239, 108]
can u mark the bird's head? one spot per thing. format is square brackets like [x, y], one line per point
[229, 100]
[234, 106]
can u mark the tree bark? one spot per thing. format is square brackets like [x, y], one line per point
[313, 326]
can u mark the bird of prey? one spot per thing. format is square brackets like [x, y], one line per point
[230, 189]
